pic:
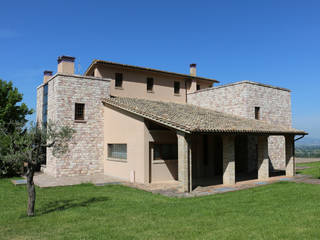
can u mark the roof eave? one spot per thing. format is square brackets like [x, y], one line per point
[96, 61]
[257, 132]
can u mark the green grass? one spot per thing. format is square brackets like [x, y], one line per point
[282, 210]
[313, 171]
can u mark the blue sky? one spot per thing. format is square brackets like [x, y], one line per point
[268, 41]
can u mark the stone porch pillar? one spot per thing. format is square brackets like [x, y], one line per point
[229, 176]
[263, 158]
[184, 162]
[290, 164]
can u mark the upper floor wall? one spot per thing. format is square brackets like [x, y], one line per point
[247, 99]
[165, 87]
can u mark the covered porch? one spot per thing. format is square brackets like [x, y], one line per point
[224, 159]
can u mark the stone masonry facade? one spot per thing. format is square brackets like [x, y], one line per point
[86, 149]
[240, 99]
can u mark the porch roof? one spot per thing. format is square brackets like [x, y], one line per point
[193, 119]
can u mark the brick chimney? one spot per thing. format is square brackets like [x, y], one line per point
[66, 64]
[46, 76]
[193, 69]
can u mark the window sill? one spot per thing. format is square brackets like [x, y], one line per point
[117, 160]
[177, 94]
[163, 161]
[150, 91]
[80, 121]
[118, 88]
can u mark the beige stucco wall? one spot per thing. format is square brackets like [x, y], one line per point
[134, 85]
[125, 128]
[122, 127]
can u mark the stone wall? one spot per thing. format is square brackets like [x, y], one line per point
[240, 99]
[39, 103]
[86, 149]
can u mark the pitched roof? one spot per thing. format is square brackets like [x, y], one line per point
[190, 118]
[126, 66]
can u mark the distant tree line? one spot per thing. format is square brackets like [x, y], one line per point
[307, 151]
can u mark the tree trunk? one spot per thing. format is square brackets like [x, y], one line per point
[31, 191]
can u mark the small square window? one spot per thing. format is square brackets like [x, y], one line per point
[79, 111]
[118, 151]
[257, 113]
[149, 84]
[176, 87]
[198, 87]
[119, 79]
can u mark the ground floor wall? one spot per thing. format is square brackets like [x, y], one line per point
[121, 127]
[162, 170]
[277, 152]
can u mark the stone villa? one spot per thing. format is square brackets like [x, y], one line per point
[146, 125]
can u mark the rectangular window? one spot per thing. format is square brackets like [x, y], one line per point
[198, 87]
[79, 111]
[149, 84]
[257, 113]
[176, 87]
[118, 151]
[165, 152]
[118, 78]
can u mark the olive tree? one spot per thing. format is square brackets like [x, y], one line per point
[28, 144]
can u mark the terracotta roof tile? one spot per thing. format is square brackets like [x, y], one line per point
[191, 118]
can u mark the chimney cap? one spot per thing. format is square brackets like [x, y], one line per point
[66, 59]
[193, 65]
[47, 73]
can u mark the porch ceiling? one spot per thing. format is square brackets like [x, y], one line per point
[193, 119]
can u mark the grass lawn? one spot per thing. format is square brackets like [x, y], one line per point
[313, 171]
[282, 210]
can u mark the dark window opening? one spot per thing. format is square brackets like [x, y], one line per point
[198, 87]
[165, 152]
[79, 111]
[118, 78]
[117, 151]
[257, 113]
[149, 84]
[176, 87]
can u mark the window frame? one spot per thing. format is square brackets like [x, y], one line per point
[148, 84]
[110, 154]
[118, 77]
[76, 118]
[176, 86]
